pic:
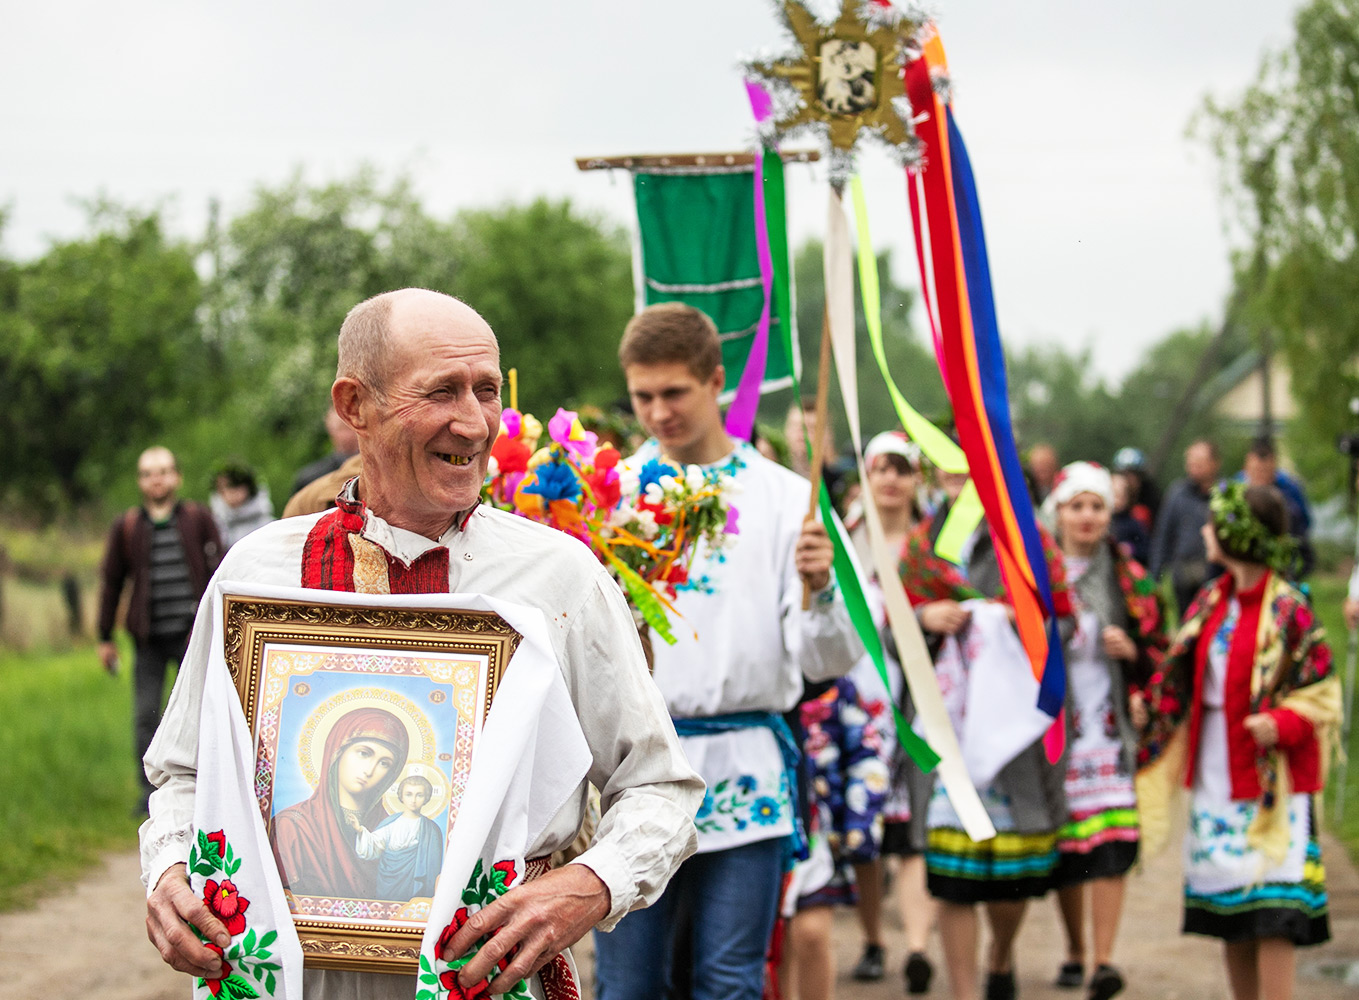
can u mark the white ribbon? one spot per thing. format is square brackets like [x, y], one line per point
[915, 658]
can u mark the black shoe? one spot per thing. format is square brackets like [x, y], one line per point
[1001, 986]
[919, 972]
[870, 967]
[1105, 983]
[1071, 976]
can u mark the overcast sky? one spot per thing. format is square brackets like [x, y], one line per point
[1103, 220]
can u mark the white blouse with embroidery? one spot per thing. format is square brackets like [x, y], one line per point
[754, 644]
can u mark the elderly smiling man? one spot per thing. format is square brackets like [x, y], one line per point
[419, 381]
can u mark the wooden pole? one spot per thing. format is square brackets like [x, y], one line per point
[819, 440]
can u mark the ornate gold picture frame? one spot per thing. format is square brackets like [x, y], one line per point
[364, 720]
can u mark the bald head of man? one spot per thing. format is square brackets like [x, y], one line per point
[419, 382]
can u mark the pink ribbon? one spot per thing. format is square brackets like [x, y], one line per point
[741, 414]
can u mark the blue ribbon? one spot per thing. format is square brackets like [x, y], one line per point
[788, 748]
[995, 393]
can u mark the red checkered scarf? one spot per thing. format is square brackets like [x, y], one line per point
[335, 547]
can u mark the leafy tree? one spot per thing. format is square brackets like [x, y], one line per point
[293, 266]
[1289, 153]
[1054, 399]
[98, 350]
[556, 286]
[911, 363]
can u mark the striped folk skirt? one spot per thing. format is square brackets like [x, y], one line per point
[1230, 894]
[1099, 845]
[1009, 866]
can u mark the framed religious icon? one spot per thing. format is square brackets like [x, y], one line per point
[364, 720]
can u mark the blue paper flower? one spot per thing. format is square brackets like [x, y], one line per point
[555, 481]
[652, 472]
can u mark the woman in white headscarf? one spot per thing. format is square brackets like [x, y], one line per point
[1118, 643]
[894, 480]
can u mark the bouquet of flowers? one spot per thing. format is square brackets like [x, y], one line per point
[644, 526]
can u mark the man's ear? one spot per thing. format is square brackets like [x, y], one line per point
[347, 396]
[717, 381]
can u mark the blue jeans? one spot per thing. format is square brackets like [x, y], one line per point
[732, 899]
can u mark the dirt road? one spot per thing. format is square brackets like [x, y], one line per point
[90, 940]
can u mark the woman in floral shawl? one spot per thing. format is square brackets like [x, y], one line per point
[1119, 641]
[1251, 675]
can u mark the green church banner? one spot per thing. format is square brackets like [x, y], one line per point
[698, 246]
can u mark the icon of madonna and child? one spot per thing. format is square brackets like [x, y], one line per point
[343, 841]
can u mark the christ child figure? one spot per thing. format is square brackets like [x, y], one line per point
[408, 845]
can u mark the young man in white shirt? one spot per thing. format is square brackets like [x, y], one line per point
[727, 688]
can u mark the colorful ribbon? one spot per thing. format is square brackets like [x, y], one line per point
[915, 658]
[971, 356]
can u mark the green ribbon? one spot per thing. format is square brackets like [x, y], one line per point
[934, 443]
[846, 576]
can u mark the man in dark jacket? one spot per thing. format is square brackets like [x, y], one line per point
[168, 549]
[1177, 546]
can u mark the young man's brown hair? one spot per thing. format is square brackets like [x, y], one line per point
[670, 332]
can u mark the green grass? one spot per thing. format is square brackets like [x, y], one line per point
[1328, 595]
[66, 767]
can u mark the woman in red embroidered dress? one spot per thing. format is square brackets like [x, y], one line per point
[1251, 674]
[314, 840]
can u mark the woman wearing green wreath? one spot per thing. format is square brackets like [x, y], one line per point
[1243, 712]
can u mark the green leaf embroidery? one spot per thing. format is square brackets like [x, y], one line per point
[269, 983]
[238, 989]
[250, 940]
[268, 938]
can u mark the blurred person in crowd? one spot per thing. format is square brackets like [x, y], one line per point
[166, 549]
[239, 502]
[839, 472]
[1042, 466]
[1261, 468]
[343, 443]
[1144, 498]
[1125, 527]
[1177, 546]
[1025, 800]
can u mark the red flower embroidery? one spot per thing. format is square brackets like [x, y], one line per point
[218, 839]
[459, 918]
[506, 868]
[215, 985]
[477, 991]
[226, 904]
